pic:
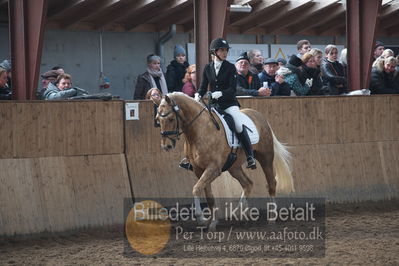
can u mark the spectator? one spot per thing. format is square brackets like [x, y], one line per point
[384, 77]
[6, 65]
[176, 70]
[5, 91]
[269, 72]
[333, 72]
[255, 61]
[152, 78]
[312, 71]
[156, 96]
[281, 62]
[303, 46]
[47, 77]
[280, 87]
[62, 89]
[59, 68]
[385, 54]
[294, 79]
[189, 81]
[378, 49]
[318, 56]
[344, 61]
[247, 82]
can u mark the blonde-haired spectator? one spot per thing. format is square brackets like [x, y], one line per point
[189, 81]
[384, 77]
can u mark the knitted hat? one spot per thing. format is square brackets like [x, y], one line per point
[282, 60]
[179, 50]
[243, 56]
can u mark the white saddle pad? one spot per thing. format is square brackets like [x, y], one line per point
[231, 136]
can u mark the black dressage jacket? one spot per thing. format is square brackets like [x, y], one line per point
[225, 82]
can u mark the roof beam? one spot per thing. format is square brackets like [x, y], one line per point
[318, 19]
[389, 9]
[312, 10]
[87, 12]
[334, 23]
[258, 11]
[134, 20]
[177, 17]
[121, 12]
[60, 10]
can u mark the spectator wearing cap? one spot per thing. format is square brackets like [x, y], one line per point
[247, 82]
[176, 69]
[280, 87]
[333, 72]
[62, 89]
[255, 61]
[152, 78]
[379, 47]
[281, 62]
[47, 77]
[296, 79]
[269, 72]
[59, 68]
[5, 91]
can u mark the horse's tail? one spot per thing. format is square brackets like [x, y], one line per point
[282, 166]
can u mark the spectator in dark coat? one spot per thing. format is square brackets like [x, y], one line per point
[384, 77]
[379, 47]
[333, 72]
[297, 79]
[280, 87]
[269, 72]
[176, 69]
[152, 78]
[312, 72]
[247, 82]
[255, 61]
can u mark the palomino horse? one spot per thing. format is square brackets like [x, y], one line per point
[207, 149]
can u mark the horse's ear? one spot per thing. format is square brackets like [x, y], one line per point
[168, 100]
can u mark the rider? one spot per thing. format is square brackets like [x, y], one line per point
[220, 75]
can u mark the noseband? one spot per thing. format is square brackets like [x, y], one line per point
[176, 133]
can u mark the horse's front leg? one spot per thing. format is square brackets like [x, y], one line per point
[204, 183]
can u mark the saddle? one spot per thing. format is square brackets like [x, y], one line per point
[229, 128]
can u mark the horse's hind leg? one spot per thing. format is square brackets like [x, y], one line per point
[244, 181]
[266, 161]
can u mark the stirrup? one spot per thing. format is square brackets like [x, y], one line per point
[251, 163]
[185, 164]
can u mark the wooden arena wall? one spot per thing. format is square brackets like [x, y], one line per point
[68, 165]
[344, 149]
[62, 166]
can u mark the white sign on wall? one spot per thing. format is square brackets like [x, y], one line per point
[286, 50]
[132, 111]
[234, 52]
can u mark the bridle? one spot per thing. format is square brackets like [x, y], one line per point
[174, 135]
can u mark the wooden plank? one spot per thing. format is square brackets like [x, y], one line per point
[55, 194]
[37, 129]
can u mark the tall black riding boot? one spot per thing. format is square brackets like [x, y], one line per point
[247, 146]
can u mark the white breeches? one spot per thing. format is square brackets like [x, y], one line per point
[238, 117]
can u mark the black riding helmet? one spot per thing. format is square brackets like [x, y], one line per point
[217, 44]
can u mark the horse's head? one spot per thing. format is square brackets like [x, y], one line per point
[168, 117]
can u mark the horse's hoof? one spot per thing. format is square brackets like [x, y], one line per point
[212, 226]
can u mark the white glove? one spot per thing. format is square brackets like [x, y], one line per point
[197, 97]
[216, 94]
[309, 82]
